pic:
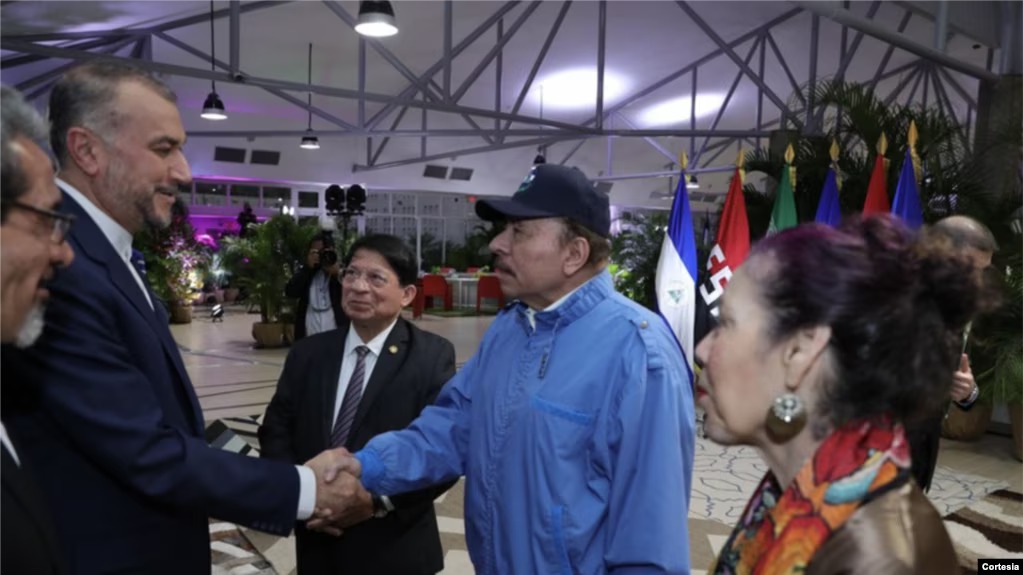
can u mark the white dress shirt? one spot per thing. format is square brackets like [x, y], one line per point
[120, 239]
[8, 445]
[319, 314]
[349, 357]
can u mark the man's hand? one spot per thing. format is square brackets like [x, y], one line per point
[962, 380]
[341, 500]
[333, 270]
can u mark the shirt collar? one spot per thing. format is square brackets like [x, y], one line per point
[531, 313]
[375, 345]
[116, 235]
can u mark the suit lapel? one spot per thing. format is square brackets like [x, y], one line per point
[386, 367]
[17, 482]
[90, 242]
[329, 374]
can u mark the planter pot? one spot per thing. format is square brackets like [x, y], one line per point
[966, 424]
[268, 334]
[289, 333]
[1016, 417]
[180, 313]
[230, 294]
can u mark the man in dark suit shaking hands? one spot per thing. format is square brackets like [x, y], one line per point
[32, 246]
[341, 388]
[116, 437]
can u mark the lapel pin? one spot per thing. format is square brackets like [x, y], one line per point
[393, 349]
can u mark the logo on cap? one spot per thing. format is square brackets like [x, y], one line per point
[526, 183]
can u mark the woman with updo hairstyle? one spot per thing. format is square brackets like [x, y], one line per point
[829, 341]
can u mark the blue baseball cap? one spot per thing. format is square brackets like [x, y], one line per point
[553, 191]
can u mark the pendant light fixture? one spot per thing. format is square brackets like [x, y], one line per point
[541, 151]
[309, 141]
[376, 19]
[213, 107]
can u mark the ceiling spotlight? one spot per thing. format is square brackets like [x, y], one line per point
[541, 157]
[213, 108]
[310, 142]
[376, 19]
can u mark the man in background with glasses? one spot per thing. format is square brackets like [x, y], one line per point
[341, 388]
[32, 248]
[118, 435]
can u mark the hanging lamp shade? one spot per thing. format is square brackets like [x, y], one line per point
[376, 19]
[213, 108]
[310, 142]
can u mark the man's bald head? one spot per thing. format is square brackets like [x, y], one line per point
[970, 236]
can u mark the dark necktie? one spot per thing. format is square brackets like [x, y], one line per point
[350, 403]
[139, 263]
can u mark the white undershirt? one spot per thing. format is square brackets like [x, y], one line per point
[350, 357]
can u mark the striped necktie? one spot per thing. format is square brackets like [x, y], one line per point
[350, 404]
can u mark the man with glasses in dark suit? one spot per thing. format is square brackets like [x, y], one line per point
[32, 248]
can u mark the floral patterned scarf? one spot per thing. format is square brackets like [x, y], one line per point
[779, 532]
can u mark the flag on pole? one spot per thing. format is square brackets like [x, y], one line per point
[730, 250]
[907, 198]
[676, 270]
[877, 189]
[828, 210]
[784, 213]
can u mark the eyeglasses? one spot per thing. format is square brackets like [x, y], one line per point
[61, 222]
[376, 279]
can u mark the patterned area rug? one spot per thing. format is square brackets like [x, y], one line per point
[723, 478]
[991, 528]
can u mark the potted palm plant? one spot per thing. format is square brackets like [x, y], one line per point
[175, 263]
[262, 263]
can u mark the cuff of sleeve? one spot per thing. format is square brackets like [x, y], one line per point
[307, 493]
[970, 400]
[372, 469]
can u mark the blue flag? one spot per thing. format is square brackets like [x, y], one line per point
[828, 211]
[907, 200]
[676, 273]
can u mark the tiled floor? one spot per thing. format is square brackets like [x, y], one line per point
[232, 379]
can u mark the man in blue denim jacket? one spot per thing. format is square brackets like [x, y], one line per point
[573, 423]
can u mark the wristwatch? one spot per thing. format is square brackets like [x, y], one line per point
[381, 507]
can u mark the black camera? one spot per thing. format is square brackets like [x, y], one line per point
[328, 257]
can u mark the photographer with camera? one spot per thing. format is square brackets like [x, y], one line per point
[318, 289]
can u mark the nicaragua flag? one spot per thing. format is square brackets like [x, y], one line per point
[676, 273]
[828, 211]
[907, 201]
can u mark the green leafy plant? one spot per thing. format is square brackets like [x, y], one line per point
[634, 255]
[264, 260]
[176, 263]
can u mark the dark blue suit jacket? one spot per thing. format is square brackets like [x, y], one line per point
[115, 433]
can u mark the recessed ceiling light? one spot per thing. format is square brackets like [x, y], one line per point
[577, 88]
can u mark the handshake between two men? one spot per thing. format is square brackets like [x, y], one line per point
[341, 500]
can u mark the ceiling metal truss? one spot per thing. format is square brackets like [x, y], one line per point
[433, 90]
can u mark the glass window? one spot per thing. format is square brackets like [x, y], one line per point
[185, 193]
[276, 197]
[309, 199]
[241, 193]
[210, 194]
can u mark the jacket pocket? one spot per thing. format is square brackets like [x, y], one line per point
[562, 431]
[558, 535]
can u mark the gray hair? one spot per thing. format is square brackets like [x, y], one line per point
[18, 119]
[86, 96]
